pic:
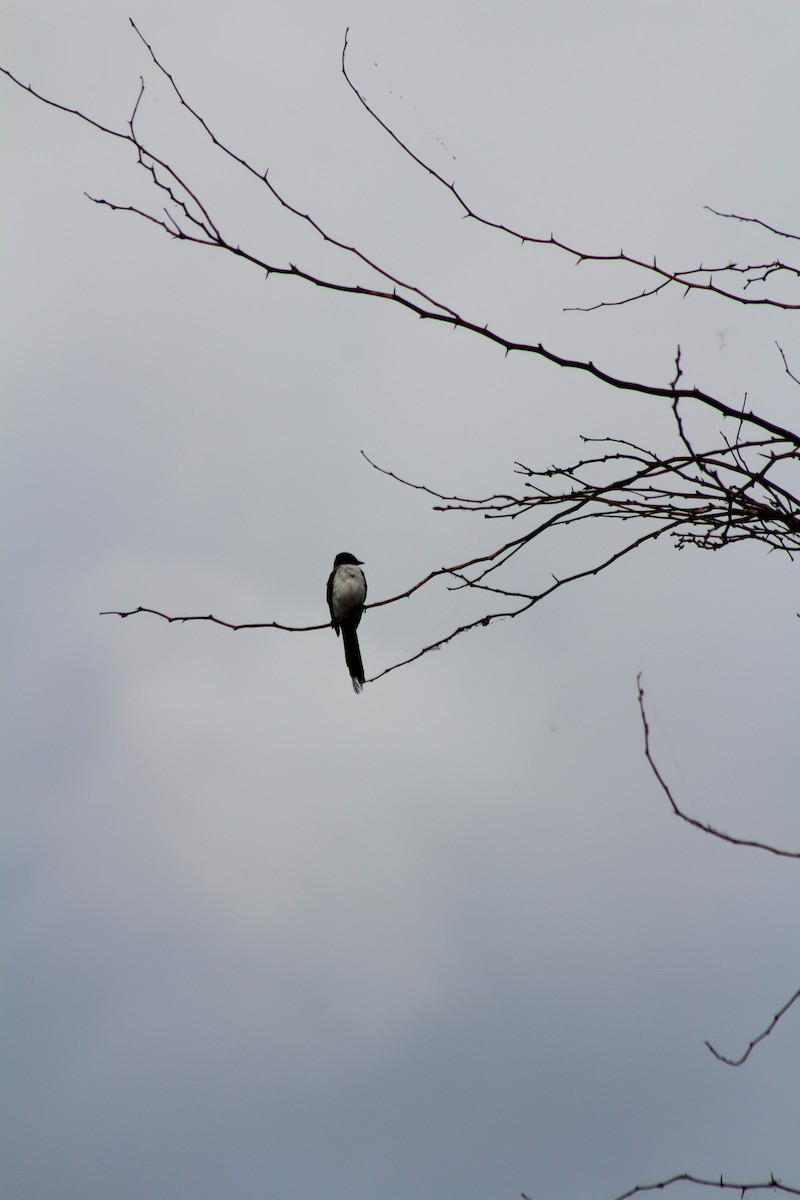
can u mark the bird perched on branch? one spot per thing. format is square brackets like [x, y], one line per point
[347, 591]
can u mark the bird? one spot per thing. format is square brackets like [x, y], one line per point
[347, 591]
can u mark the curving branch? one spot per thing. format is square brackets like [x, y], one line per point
[700, 278]
[788, 370]
[739, 489]
[191, 222]
[772, 1184]
[693, 821]
[708, 499]
[486, 563]
[114, 612]
[737, 1062]
[263, 178]
[795, 237]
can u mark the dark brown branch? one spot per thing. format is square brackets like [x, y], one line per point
[217, 621]
[772, 1184]
[684, 278]
[483, 331]
[753, 221]
[262, 177]
[73, 112]
[702, 825]
[422, 487]
[439, 311]
[456, 571]
[705, 499]
[529, 599]
[537, 349]
[786, 365]
[710, 498]
[142, 151]
[737, 1062]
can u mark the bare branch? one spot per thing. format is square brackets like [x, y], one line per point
[421, 487]
[702, 825]
[218, 621]
[707, 499]
[772, 1184]
[416, 301]
[737, 1062]
[753, 221]
[786, 365]
[529, 600]
[262, 177]
[686, 279]
[73, 112]
[142, 152]
[703, 498]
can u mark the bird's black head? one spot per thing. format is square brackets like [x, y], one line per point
[346, 559]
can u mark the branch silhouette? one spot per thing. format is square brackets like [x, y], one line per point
[710, 498]
[193, 223]
[735, 490]
[693, 821]
[688, 279]
[737, 1062]
[772, 1184]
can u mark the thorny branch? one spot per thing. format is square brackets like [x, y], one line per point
[700, 278]
[737, 1062]
[772, 1184]
[193, 224]
[704, 826]
[216, 621]
[738, 490]
[727, 837]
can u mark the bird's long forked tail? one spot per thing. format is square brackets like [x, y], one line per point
[352, 656]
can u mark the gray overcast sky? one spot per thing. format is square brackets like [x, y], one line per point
[261, 938]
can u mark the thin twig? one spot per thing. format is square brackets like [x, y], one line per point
[683, 278]
[702, 825]
[217, 621]
[772, 1184]
[737, 1062]
[753, 221]
[439, 312]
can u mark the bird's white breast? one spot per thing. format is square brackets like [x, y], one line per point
[349, 590]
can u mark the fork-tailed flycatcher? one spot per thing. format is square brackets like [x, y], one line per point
[347, 591]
